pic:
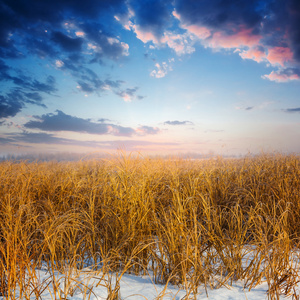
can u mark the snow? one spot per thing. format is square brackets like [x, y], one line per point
[88, 284]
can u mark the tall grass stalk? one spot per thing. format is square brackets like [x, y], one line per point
[190, 223]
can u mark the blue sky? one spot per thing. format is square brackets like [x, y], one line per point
[159, 77]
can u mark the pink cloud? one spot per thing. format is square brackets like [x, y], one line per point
[242, 38]
[281, 77]
[145, 130]
[126, 98]
[279, 55]
[144, 36]
[176, 14]
[253, 53]
[80, 33]
[200, 31]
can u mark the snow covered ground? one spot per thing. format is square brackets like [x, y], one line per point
[91, 285]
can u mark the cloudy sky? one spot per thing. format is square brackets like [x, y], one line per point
[156, 76]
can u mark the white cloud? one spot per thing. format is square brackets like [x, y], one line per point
[161, 70]
[59, 63]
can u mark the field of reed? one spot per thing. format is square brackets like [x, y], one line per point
[189, 223]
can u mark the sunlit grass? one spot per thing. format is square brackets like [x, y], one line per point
[189, 223]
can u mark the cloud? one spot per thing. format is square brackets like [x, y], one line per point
[101, 44]
[79, 34]
[161, 69]
[245, 108]
[256, 53]
[89, 82]
[249, 108]
[146, 130]
[292, 110]
[243, 37]
[129, 94]
[63, 122]
[67, 43]
[279, 55]
[178, 123]
[262, 31]
[10, 106]
[26, 82]
[180, 43]
[30, 23]
[13, 102]
[217, 13]
[152, 17]
[283, 75]
[5, 141]
[47, 87]
[26, 90]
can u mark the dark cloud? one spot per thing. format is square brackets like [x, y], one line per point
[26, 91]
[295, 28]
[47, 87]
[63, 122]
[86, 87]
[178, 123]
[9, 106]
[54, 10]
[130, 92]
[152, 15]
[292, 110]
[13, 102]
[90, 82]
[8, 21]
[67, 43]
[35, 97]
[104, 44]
[249, 108]
[41, 28]
[41, 47]
[220, 13]
[26, 82]
[4, 141]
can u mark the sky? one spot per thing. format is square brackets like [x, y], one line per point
[154, 76]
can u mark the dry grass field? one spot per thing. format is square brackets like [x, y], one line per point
[186, 222]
